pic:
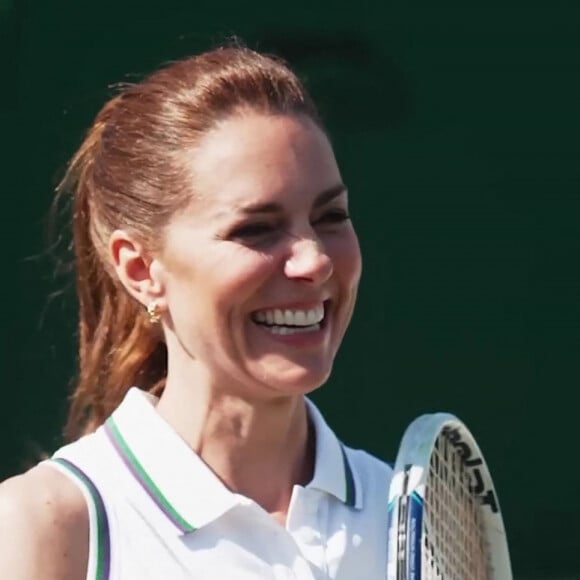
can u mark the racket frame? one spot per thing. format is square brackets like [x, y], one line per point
[407, 497]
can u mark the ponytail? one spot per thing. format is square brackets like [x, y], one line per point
[118, 347]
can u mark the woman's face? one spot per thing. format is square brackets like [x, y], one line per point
[261, 270]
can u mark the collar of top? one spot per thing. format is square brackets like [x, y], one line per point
[179, 482]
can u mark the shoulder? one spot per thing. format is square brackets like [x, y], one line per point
[46, 518]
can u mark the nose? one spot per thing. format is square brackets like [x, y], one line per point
[309, 262]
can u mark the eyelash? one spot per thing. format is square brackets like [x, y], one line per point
[255, 230]
[252, 230]
[333, 216]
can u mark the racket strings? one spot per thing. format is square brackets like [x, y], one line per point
[454, 546]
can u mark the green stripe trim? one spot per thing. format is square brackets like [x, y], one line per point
[138, 471]
[349, 480]
[103, 556]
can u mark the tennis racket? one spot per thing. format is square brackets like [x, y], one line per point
[444, 517]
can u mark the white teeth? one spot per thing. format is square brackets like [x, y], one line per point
[315, 315]
[278, 317]
[300, 318]
[287, 330]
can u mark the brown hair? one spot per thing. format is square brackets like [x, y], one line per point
[130, 173]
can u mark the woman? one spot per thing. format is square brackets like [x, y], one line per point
[217, 269]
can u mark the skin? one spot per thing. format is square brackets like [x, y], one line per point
[234, 391]
[44, 515]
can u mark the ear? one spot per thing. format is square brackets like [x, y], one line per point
[140, 273]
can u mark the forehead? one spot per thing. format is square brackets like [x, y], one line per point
[254, 159]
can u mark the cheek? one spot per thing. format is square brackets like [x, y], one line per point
[220, 282]
[347, 260]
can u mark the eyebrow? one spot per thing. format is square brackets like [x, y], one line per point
[271, 207]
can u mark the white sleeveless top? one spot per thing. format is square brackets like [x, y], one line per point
[157, 511]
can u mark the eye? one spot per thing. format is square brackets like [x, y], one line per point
[253, 232]
[333, 216]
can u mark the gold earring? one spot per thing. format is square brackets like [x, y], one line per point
[153, 312]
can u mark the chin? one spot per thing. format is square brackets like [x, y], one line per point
[295, 380]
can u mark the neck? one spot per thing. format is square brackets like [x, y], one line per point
[260, 448]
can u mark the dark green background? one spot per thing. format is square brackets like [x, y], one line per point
[456, 125]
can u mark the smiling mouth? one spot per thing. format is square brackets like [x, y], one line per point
[292, 321]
